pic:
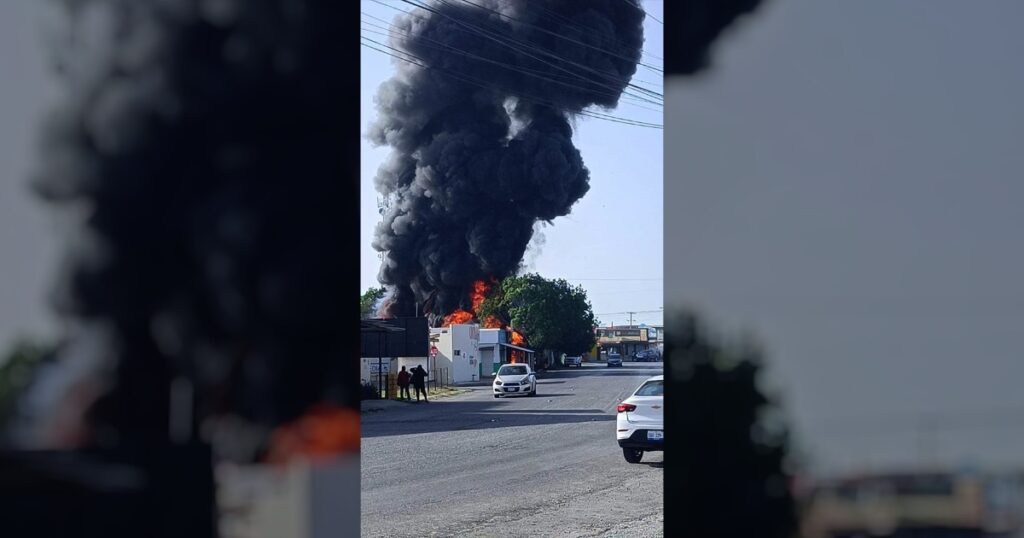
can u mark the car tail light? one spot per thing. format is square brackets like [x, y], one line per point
[625, 408]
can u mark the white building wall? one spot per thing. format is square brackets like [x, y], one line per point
[444, 350]
[458, 350]
[465, 353]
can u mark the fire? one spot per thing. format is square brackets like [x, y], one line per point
[323, 432]
[458, 317]
[480, 292]
[481, 289]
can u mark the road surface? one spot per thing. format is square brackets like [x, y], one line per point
[473, 465]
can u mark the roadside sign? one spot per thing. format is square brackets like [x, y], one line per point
[433, 351]
[377, 368]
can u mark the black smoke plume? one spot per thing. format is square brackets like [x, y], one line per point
[480, 127]
[729, 473]
[694, 27]
[202, 146]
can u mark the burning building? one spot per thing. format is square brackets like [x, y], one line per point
[498, 346]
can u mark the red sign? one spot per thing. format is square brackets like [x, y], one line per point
[433, 351]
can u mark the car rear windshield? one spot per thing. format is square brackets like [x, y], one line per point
[512, 370]
[651, 388]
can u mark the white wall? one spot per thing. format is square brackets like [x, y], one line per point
[465, 339]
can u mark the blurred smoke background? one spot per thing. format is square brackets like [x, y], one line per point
[192, 253]
[843, 182]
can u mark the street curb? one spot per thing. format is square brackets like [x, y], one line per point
[374, 406]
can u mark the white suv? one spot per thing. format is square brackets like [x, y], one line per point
[514, 380]
[640, 424]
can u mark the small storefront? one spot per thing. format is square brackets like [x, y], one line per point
[499, 353]
[623, 340]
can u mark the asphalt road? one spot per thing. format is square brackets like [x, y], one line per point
[473, 465]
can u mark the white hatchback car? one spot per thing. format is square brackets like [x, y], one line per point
[640, 424]
[514, 380]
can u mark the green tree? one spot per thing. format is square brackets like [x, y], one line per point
[17, 369]
[368, 299]
[729, 472]
[551, 314]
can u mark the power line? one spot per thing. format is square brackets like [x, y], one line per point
[552, 14]
[508, 42]
[560, 36]
[471, 80]
[646, 13]
[630, 312]
[391, 31]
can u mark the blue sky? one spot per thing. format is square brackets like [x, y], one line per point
[611, 243]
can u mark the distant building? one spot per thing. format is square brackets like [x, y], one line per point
[495, 350]
[625, 340]
[934, 503]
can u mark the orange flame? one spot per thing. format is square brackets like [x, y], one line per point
[517, 338]
[480, 292]
[458, 317]
[323, 432]
[481, 289]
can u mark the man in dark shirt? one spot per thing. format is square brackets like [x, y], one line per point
[419, 382]
[403, 384]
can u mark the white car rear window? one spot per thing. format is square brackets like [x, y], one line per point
[651, 388]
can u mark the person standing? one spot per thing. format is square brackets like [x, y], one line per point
[403, 385]
[419, 382]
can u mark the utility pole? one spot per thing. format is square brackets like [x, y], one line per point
[631, 318]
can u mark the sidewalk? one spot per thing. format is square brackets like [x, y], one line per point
[478, 383]
[370, 406]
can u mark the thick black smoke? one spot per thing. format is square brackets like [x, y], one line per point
[480, 127]
[202, 145]
[694, 27]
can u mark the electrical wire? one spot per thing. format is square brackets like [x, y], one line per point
[649, 92]
[519, 46]
[405, 56]
[560, 36]
[529, 72]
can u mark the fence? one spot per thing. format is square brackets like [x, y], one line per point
[439, 378]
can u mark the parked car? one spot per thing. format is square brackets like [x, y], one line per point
[640, 422]
[574, 361]
[614, 359]
[514, 380]
[645, 355]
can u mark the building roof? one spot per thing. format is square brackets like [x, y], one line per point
[492, 344]
[378, 326]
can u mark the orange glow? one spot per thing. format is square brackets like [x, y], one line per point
[492, 323]
[517, 338]
[479, 294]
[458, 317]
[323, 432]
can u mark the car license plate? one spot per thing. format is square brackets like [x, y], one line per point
[655, 435]
[512, 390]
